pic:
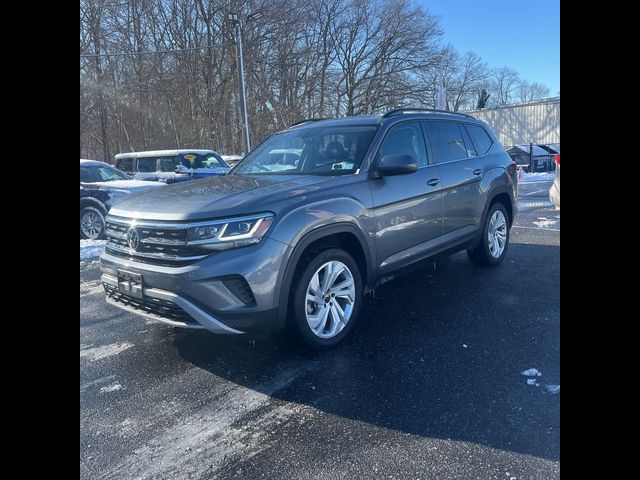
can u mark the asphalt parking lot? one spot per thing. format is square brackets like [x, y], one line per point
[429, 387]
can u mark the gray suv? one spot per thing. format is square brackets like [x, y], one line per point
[313, 218]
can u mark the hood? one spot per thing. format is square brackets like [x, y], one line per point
[216, 197]
[128, 185]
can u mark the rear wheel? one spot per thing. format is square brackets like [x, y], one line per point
[327, 299]
[92, 223]
[494, 242]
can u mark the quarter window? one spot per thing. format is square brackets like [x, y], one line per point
[481, 139]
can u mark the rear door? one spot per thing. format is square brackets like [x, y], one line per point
[461, 173]
[407, 208]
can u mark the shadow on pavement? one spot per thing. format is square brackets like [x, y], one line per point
[436, 354]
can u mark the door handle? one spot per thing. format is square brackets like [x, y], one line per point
[433, 182]
[477, 171]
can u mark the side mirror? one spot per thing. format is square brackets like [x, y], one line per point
[397, 165]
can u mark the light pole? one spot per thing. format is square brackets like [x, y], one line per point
[235, 20]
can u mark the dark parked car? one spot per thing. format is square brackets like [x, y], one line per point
[101, 186]
[170, 166]
[309, 221]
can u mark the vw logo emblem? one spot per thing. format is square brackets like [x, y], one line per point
[133, 239]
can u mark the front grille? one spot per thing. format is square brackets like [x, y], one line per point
[155, 306]
[158, 242]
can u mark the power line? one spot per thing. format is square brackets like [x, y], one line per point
[176, 50]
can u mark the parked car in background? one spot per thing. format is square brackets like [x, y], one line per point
[309, 221]
[170, 166]
[554, 191]
[232, 160]
[101, 186]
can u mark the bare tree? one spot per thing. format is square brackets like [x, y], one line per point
[505, 81]
[309, 58]
[528, 92]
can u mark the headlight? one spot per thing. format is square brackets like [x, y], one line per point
[229, 233]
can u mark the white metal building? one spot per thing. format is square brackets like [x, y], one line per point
[523, 123]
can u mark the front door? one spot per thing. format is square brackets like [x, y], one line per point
[407, 208]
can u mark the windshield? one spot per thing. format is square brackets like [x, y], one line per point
[90, 174]
[310, 151]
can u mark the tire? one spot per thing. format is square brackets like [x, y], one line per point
[486, 253]
[305, 312]
[94, 225]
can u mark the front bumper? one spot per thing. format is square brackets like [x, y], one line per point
[196, 295]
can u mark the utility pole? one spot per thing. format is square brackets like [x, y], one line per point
[243, 101]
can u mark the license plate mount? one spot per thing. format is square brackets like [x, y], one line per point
[130, 284]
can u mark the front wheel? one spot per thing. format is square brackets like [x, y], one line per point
[493, 244]
[327, 299]
[92, 223]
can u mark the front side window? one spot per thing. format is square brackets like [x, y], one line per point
[310, 151]
[146, 164]
[169, 164]
[446, 141]
[405, 139]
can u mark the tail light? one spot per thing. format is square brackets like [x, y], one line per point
[557, 159]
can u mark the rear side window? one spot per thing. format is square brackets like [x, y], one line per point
[481, 139]
[405, 139]
[125, 164]
[146, 164]
[446, 141]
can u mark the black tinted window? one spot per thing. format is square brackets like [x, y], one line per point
[169, 164]
[446, 141]
[146, 164]
[125, 164]
[471, 151]
[481, 139]
[405, 139]
[89, 174]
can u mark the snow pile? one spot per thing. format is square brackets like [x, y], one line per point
[534, 372]
[537, 177]
[553, 389]
[90, 248]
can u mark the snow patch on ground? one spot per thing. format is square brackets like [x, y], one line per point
[98, 353]
[553, 389]
[93, 383]
[544, 222]
[217, 434]
[537, 177]
[532, 372]
[91, 288]
[90, 248]
[111, 388]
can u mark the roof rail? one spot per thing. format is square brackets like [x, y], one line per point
[399, 111]
[307, 120]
